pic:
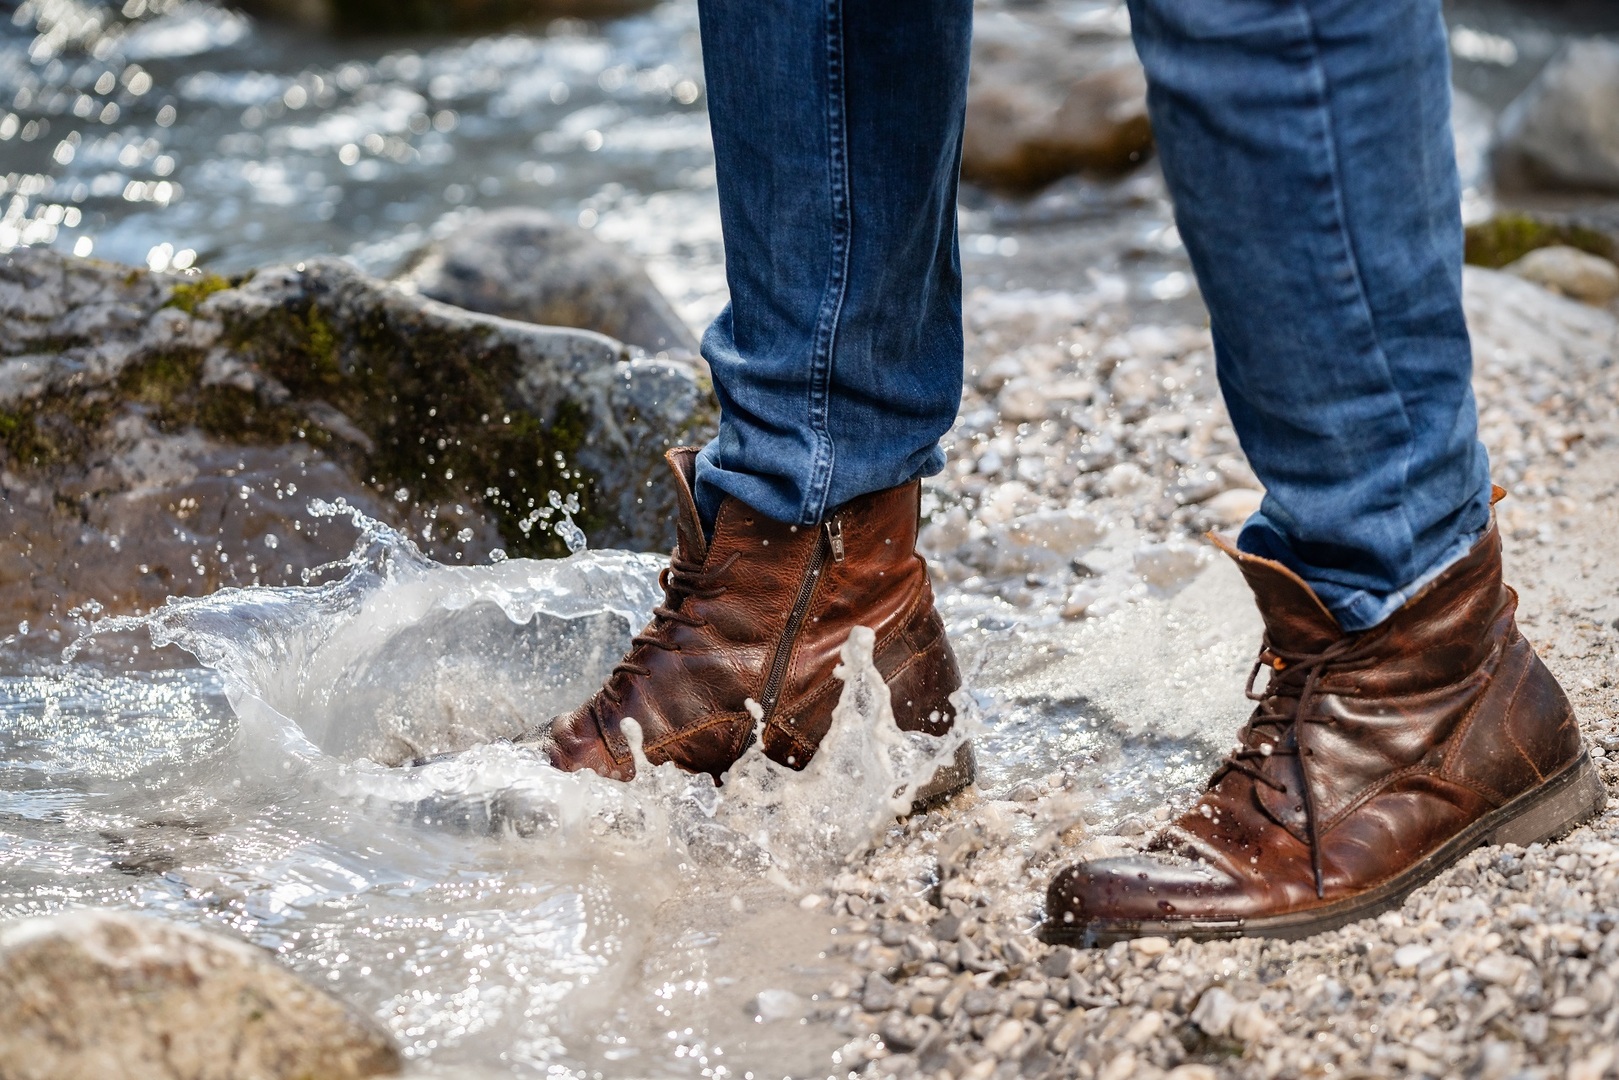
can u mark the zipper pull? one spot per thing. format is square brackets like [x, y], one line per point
[834, 536]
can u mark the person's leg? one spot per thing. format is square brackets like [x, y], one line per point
[1307, 146]
[837, 139]
[837, 134]
[1404, 719]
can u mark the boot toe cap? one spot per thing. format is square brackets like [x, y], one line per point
[571, 749]
[1138, 894]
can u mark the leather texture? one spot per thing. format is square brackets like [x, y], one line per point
[761, 598]
[1366, 753]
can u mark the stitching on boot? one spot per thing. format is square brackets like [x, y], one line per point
[708, 724]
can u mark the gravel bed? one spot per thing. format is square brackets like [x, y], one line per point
[1077, 426]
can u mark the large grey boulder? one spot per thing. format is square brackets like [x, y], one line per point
[1563, 130]
[116, 996]
[528, 265]
[1045, 100]
[162, 435]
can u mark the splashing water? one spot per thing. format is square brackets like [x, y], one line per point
[492, 911]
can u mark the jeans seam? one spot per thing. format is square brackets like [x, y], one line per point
[1341, 232]
[824, 455]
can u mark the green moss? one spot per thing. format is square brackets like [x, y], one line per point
[321, 346]
[1506, 238]
[228, 413]
[16, 435]
[191, 291]
[162, 380]
[50, 430]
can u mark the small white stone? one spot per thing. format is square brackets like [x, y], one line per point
[1143, 1031]
[1150, 946]
[1120, 1068]
[1409, 956]
[1214, 1011]
[1005, 1036]
[1249, 1023]
[1235, 506]
[1170, 565]
[1499, 969]
[1569, 1007]
[772, 1005]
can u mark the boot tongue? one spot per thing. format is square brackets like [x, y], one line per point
[1295, 621]
[1295, 618]
[688, 524]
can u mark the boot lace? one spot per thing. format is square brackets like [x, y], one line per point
[1277, 727]
[680, 580]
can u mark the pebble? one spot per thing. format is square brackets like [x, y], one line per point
[1235, 506]
[1410, 956]
[1150, 946]
[771, 1005]
[1214, 1012]
[1007, 1034]
[1570, 271]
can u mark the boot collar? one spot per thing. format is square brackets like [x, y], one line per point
[1295, 618]
[689, 534]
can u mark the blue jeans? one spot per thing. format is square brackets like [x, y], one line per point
[1307, 146]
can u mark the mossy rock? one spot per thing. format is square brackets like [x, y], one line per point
[162, 435]
[1508, 237]
[454, 405]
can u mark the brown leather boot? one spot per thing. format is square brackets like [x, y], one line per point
[1373, 761]
[757, 615]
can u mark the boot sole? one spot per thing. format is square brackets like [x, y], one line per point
[1571, 797]
[947, 780]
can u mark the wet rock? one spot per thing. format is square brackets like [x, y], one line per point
[1234, 506]
[163, 435]
[115, 996]
[1169, 566]
[425, 16]
[772, 1005]
[878, 995]
[1563, 131]
[528, 265]
[1005, 1035]
[1249, 1023]
[1570, 271]
[1044, 102]
[1215, 1011]
[1411, 956]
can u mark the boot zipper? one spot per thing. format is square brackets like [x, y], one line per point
[830, 543]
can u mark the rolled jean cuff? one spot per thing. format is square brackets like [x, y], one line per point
[1359, 609]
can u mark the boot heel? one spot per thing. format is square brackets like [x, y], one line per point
[949, 779]
[1568, 799]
